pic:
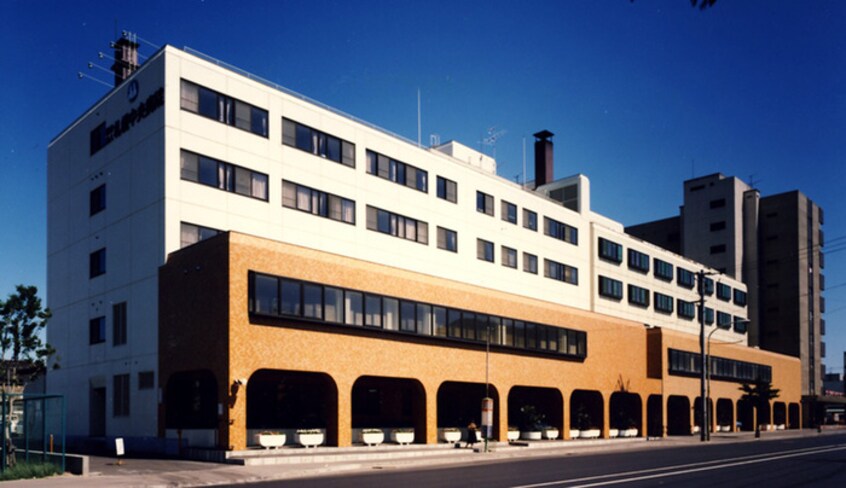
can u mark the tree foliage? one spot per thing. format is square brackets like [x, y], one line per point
[23, 319]
[759, 394]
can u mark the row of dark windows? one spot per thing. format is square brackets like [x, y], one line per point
[637, 296]
[397, 225]
[689, 363]
[230, 111]
[206, 102]
[282, 297]
[508, 258]
[638, 261]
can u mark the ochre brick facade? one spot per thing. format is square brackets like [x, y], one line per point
[205, 324]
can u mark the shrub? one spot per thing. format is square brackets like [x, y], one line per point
[24, 470]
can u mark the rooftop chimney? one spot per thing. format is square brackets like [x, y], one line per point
[543, 158]
[126, 59]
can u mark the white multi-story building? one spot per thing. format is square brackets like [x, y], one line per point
[187, 147]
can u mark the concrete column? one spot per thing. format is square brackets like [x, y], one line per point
[565, 416]
[431, 412]
[235, 416]
[606, 415]
[343, 412]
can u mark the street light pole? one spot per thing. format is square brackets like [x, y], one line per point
[703, 417]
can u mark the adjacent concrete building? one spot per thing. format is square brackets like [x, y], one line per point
[774, 244]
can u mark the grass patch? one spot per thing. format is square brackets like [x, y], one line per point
[24, 470]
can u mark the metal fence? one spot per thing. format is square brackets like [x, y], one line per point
[33, 427]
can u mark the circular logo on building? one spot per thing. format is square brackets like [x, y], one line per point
[132, 90]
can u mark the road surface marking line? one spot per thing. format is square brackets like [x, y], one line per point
[756, 458]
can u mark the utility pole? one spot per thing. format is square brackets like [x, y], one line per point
[704, 428]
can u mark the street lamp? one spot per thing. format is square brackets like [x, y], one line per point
[708, 361]
[703, 416]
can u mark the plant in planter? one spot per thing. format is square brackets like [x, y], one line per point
[583, 424]
[451, 434]
[532, 423]
[402, 436]
[550, 433]
[513, 433]
[631, 428]
[372, 437]
[310, 437]
[270, 439]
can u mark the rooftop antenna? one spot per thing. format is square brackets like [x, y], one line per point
[434, 140]
[418, 118]
[82, 75]
[524, 163]
[134, 38]
[753, 182]
[493, 136]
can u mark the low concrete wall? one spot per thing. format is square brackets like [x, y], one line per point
[74, 463]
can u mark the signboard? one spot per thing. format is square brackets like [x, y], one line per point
[487, 416]
[119, 446]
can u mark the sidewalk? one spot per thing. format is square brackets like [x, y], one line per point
[160, 473]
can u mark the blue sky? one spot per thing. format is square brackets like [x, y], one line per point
[641, 95]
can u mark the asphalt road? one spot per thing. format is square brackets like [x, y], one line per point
[801, 462]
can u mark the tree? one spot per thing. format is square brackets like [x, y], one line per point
[759, 395]
[23, 318]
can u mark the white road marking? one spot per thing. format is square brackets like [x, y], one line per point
[686, 468]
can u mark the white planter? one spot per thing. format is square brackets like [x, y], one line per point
[780, 427]
[575, 433]
[402, 438]
[373, 438]
[694, 429]
[451, 436]
[724, 428]
[269, 441]
[532, 435]
[550, 434]
[613, 433]
[513, 435]
[628, 433]
[589, 434]
[478, 436]
[310, 440]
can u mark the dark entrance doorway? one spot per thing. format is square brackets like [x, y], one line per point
[655, 416]
[97, 412]
[389, 403]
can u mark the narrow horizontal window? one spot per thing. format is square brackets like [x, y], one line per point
[723, 320]
[560, 272]
[723, 292]
[685, 310]
[685, 278]
[397, 225]
[223, 176]
[191, 234]
[638, 296]
[560, 231]
[307, 302]
[718, 249]
[709, 316]
[610, 251]
[316, 202]
[663, 303]
[740, 296]
[318, 143]
[610, 288]
[638, 261]
[397, 171]
[663, 270]
[216, 106]
[718, 203]
[716, 226]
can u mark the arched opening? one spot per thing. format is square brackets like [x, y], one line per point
[765, 415]
[586, 411]
[533, 409]
[678, 415]
[626, 412]
[655, 416]
[460, 403]
[697, 412]
[780, 415]
[191, 408]
[725, 415]
[287, 401]
[745, 415]
[793, 416]
[388, 404]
